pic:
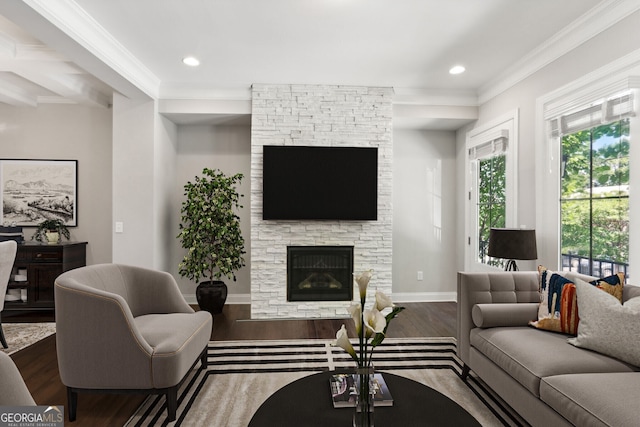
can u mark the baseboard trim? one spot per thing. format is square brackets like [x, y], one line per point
[396, 297]
[231, 299]
[423, 296]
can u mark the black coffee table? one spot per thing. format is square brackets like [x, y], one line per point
[307, 402]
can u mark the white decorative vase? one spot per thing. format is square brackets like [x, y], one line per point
[53, 237]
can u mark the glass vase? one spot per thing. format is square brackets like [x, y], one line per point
[364, 382]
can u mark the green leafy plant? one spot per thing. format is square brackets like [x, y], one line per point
[210, 227]
[50, 225]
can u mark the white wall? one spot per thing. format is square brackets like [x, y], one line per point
[166, 147]
[227, 148]
[133, 181]
[597, 52]
[69, 132]
[424, 211]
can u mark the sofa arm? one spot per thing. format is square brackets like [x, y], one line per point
[489, 288]
[497, 315]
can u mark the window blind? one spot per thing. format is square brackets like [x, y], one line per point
[596, 114]
[493, 144]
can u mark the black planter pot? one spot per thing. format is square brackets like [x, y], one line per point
[211, 296]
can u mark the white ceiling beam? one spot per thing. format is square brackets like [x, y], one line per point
[65, 85]
[7, 46]
[68, 29]
[13, 95]
[47, 66]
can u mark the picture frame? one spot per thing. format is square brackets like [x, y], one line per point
[32, 191]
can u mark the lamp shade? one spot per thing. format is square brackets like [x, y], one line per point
[512, 243]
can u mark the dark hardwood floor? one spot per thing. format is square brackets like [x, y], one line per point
[39, 367]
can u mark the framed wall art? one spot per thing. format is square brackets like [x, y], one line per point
[32, 191]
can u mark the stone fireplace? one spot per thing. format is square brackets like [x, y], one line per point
[312, 115]
[319, 273]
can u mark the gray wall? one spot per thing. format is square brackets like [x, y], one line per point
[227, 148]
[72, 133]
[424, 212]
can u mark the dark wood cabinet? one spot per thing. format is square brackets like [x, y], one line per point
[42, 263]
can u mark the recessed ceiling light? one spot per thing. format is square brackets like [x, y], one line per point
[191, 61]
[458, 69]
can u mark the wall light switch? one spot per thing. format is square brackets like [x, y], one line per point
[420, 275]
[119, 227]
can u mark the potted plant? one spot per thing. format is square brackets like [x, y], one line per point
[50, 231]
[210, 231]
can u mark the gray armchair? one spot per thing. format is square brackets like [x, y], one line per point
[14, 391]
[8, 251]
[122, 328]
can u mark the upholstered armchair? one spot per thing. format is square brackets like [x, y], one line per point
[122, 328]
[8, 251]
[14, 391]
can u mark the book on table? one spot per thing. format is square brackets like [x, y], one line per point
[343, 390]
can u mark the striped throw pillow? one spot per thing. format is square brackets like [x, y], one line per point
[558, 311]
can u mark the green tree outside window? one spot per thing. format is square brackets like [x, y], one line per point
[491, 202]
[594, 204]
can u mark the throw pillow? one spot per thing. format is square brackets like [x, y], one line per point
[606, 326]
[558, 311]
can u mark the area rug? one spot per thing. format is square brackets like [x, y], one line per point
[243, 374]
[22, 335]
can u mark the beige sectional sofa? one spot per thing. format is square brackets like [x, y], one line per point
[548, 381]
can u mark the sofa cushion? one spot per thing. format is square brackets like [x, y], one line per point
[177, 340]
[593, 399]
[529, 354]
[606, 326]
[558, 305]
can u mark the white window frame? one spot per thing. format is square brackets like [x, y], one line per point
[617, 77]
[503, 130]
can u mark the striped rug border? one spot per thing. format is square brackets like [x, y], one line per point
[234, 357]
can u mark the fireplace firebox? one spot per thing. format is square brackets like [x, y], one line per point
[319, 273]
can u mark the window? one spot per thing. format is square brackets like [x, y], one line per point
[491, 182]
[585, 207]
[491, 203]
[594, 200]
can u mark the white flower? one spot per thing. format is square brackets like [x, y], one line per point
[355, 310]
[362, 280]
[342, 341]
[374, 321]
[383, 301]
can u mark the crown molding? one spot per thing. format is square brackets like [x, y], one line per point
[595, 21]
[76, 23]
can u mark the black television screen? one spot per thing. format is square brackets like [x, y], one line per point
[322, 183]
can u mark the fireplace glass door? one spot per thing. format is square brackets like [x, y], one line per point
[319, 273]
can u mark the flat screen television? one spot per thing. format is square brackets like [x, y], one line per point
[320, 183]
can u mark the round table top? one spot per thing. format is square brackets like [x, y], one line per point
[307, 402]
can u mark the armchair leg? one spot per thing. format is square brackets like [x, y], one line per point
[465, 372]
[172, 403]
[72, 403]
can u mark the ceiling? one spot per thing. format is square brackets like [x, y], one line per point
[81, 51]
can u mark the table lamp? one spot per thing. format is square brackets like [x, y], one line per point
[512, 244]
